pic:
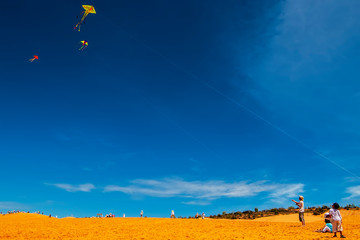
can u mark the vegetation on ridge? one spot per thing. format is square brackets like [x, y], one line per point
[249, 214]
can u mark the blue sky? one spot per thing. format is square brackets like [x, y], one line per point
[192, 106]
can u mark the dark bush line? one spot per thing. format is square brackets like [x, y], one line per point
[249, 214]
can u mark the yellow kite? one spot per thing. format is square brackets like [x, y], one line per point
[84, 45]
[88, 9]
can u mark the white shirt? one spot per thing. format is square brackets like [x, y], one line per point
[301, 206]
[335, 214]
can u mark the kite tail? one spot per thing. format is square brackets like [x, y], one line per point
[77, 25]
[84, 16]
[82, 19]
[31, 60]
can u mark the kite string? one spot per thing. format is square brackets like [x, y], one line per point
[281, 130]
[231, 99]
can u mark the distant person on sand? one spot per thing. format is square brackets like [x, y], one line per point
[172, 214]
[141, 213]
[203, 215]
[336, 220]
[300, 204]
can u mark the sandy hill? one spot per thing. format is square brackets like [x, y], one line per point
[286, 227]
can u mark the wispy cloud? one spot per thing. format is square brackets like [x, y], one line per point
[306, 82]
[12, 206]
[209, 190]
[87, 187]
[285, 191]
[352, 179]
[197, 203]
[353, 191]
[81, 138]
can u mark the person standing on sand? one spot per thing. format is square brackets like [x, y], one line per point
[141, 213]
[336, 220]
[300, 204]
[172, 214]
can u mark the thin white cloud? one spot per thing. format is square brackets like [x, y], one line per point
[303, 72]
[12, 206]
[287, 190]
[87, 187]
[197, 203]
[209, 190]
[352, 179]
[353, 191]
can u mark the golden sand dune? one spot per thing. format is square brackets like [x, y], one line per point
[291, 218]
[33, 226]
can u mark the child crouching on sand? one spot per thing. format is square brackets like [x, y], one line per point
[328, 226]
[336, 220]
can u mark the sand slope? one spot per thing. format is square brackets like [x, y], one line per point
[33, 226]
[291, 218]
